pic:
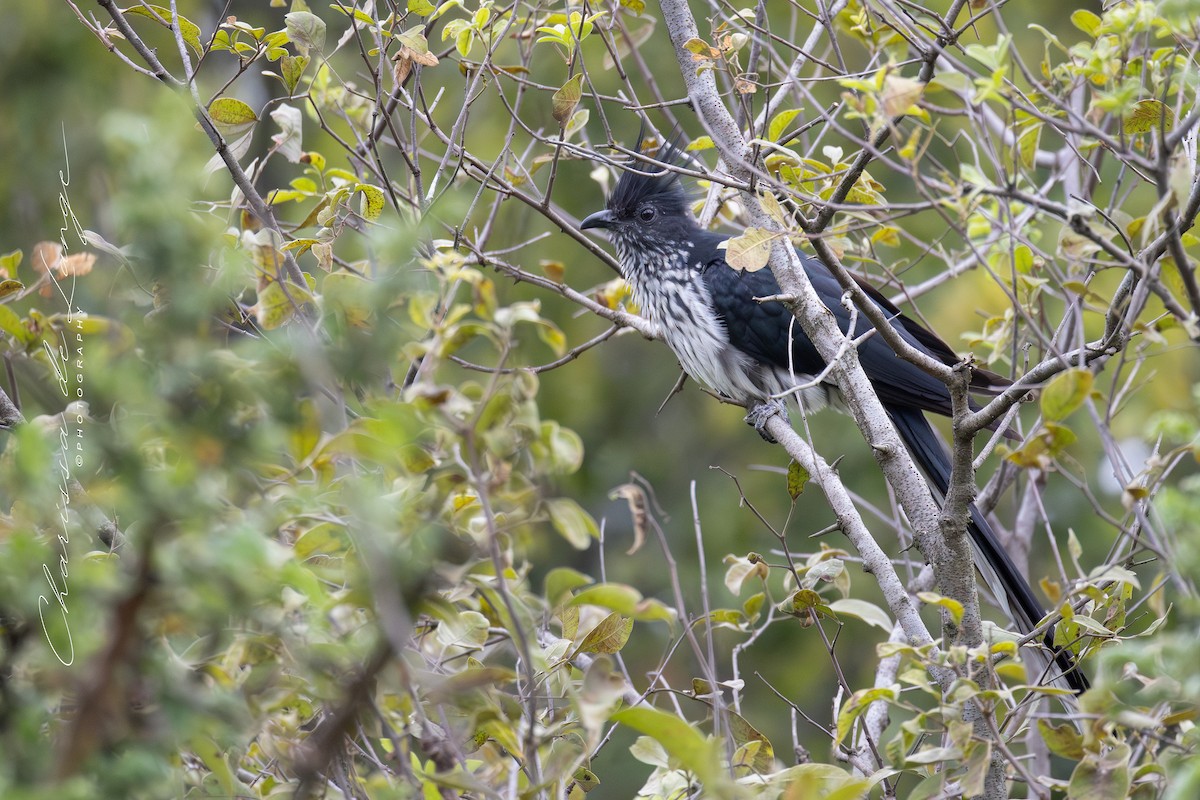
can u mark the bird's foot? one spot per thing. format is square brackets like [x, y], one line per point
[761, 413]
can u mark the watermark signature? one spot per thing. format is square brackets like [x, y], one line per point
[67, 362]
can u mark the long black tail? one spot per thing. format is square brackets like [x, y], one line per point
[1025, 608]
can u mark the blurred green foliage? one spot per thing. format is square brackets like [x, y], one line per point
[346, 562]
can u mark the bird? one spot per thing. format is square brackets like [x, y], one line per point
[750, 352]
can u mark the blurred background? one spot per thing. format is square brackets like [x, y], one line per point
[137, 177]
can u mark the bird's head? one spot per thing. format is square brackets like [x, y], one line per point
[648, 208]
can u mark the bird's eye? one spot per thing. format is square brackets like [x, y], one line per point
[647, 213]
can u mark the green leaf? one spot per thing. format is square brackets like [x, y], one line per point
[584, 778]
[701, 143]
[754, 754]
[934, 755]
[572, 522]
[10, 261]
[613, 596]
[357, 14]
[324, 539]
[561, 580]
[421, 7]
[1066, 393]
[1029, 136]
[680, 739]
[1102, 777]
[824, 781]
[608, 637]
[464, 629]
[861, 609]
[561, 447]
[231, 112]
[859, 702]
[1063, 740]
[1086, 21]
[566, 98]
[797, 479]
[350, 295]
[306, 30]
[10, 323]
[779, 124]
[464, 40]
[291, 68]
[189, 31]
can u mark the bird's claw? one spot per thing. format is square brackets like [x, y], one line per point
[761, 413]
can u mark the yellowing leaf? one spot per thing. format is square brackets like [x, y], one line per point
[797, 479]
[276, 306]
[1066, 393]
[414, 49]
[1028, 137]
[1063, 740]
[900, 94]
[566, 98]
[609, 636]
[1086, 21]
[886, 235]
[772, 208]
[779, 124]
[741, 570]
[952, 606]
[1149, 115]
[371, 204]
[750, 251]
[554, 270]
[700, 50]
[9, 263]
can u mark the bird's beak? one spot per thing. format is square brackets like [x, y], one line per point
[601, 219]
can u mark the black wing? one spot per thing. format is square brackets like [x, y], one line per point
[763, 330]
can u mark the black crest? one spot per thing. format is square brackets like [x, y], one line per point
[643, 182]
